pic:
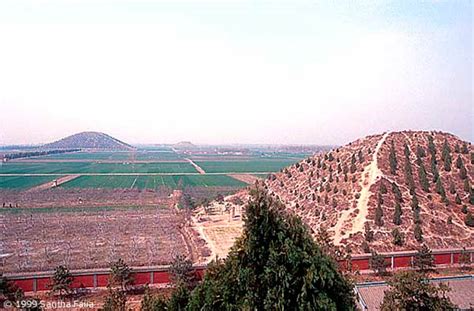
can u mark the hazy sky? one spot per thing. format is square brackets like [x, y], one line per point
[234, 71]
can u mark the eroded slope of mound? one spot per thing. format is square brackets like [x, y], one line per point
[89, 140]
[386, 192]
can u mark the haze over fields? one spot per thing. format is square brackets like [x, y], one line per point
[234, 71]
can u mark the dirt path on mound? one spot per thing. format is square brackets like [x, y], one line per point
[197, 167]
[52, 184]
[369, 177]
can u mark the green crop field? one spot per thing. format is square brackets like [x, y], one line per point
[99, 155]
[157, 156]
[20, 182]
[261, 165]
[141, 155]
[92, 167]
[152, 182]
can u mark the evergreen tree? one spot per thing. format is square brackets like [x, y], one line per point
[409, 176]
[378, 264]
[368, 233]
[397, 219]
[458, 199]
[434, 169]
[423, 179]
[465, 259]
[383, 188]
[457, 149]
[353, 168]
[181, 271]
[463, 173]
[431, 147]
[410, 290]
[398, 237]
[153, 303]
[469, 220]
[452, 188]
[440, 189]
[179, 299]
[459, 162]
[446, 156]
[467, 187]
[120, 275]
[418, 233]
[116, 300]
[61, 281]
[464, 149]
[420, 152]
[397, 193]
[360, 156]
[423, 260]
[406, 151]
[275, 264]
[393, 160]
[330, 157]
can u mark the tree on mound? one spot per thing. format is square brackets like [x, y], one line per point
[274, 265]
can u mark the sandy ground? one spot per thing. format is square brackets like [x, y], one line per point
[52, 184]
[197, 167]
[217, 226]
[369, 176]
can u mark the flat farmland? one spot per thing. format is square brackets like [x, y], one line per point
[22, 182]
[249, 166]
[153, 182]
[93, 167]
[109, 156]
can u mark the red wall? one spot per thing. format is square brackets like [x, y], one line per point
[360, 264]
[25, 285]
[162, 277]
[402, 262]
[141, 278]
[442, 259]
[80, 281]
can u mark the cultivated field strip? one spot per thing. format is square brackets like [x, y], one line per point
[90, 238]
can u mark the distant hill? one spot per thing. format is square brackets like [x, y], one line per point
[89, 140]
[386, 192]
[184, 145]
